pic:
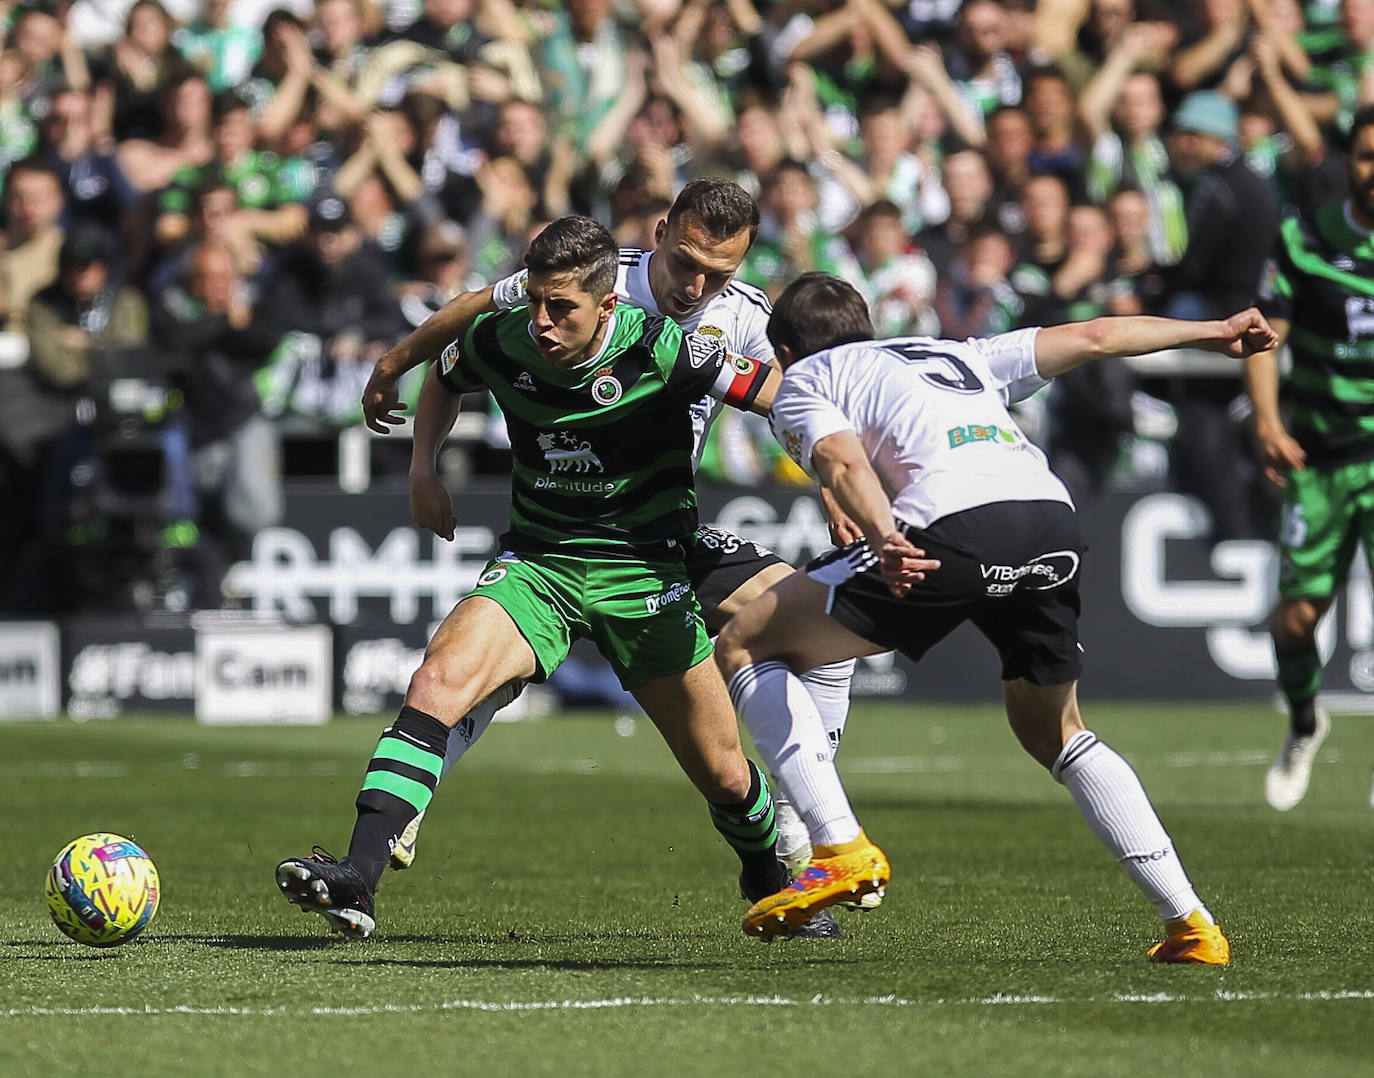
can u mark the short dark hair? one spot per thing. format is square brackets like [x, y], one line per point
[722, 206]
[1364, 117]
[580, 246]
[226, 102]
[818, 311]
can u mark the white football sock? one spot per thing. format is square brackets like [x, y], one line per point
[472, 725]
[829, 688]
[789, 735]
[794, 839]
[1114, 804]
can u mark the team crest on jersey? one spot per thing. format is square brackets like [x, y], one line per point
[566, 452]
[448, 357]
[792, 442]
[526, 382]
[606, 388]
[705, 346]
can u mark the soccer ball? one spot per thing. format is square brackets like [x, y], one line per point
[102, 890]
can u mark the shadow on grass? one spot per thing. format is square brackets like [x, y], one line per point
[230, 942]
[581, 965]
[64, 950]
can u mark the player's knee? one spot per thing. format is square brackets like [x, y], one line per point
[730, 656]
[1295, 622]
[442, 685]
[726, 780]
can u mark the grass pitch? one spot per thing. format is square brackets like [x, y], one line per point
[572, 911]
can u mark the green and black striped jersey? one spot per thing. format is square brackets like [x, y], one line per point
[603, 450]
[1321, 281]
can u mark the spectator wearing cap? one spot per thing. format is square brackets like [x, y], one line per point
[1232, 219]
[1231, 214]
[83, 310]
[332, 289]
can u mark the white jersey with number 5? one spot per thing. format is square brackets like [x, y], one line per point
[932, 417]
[736, 320]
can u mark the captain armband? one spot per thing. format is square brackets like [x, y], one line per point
[739, 380]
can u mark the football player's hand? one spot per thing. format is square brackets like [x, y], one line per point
[903, 564]
[1279, 454]
[843, 530]
[382, 407]
[431, 507]
[1247, 332]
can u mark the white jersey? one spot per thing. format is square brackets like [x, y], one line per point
[737, 318]
[931, 415]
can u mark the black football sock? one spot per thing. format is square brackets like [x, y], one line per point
[749, 826]
[400, 782]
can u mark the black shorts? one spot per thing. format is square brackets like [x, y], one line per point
[719, 563]
[1011, 568]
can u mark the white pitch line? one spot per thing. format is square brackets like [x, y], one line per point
[999, 999]
[866, 765]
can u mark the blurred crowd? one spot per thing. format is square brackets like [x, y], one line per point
[215, 214]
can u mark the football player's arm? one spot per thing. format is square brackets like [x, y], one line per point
[841, 464]
[747, 384]
[382, 407]
[435, 413]
[1278, 451]
[1062, 348]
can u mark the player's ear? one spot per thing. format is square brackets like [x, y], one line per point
[607, 307]
[786, 357]
[659, 230]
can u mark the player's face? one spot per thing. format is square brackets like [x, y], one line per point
[1362, 172]
[689, 268]
[566, 320]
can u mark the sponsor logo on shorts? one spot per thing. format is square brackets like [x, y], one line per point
[525, 382]
[967, 435]
[448, 357]
[654, 603]
[494, 575]
[1039, 574]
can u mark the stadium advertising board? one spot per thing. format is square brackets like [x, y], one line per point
[1166, 616]
[264, 674]
[30, 670]
[129, 664]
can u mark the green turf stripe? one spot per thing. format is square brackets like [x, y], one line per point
[402, 751]
[415, 794]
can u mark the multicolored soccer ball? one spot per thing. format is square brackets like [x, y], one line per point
[102, 890]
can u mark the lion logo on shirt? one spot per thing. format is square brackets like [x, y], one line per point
[565, 452]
